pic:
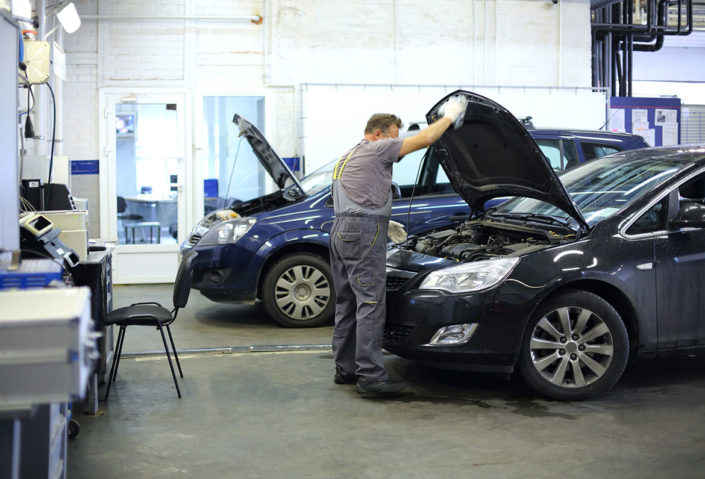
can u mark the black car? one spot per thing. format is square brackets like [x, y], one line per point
[566, 281]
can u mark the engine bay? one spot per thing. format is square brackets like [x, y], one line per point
[481, 240]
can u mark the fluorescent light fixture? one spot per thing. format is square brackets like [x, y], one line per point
[68, 17]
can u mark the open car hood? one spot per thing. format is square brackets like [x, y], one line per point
[492, 155]
[269, 159]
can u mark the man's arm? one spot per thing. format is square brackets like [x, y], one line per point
[425, 137]
[453, 108]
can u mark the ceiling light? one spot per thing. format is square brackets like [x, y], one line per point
[68, 17]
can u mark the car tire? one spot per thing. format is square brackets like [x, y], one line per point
[297, 291]
[575, 347]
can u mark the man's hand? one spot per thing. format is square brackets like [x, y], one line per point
[454, 107]
[396, 232]
[453, 112]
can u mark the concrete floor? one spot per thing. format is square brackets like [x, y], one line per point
[258, 413]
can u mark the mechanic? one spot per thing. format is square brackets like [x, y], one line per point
[362, 200]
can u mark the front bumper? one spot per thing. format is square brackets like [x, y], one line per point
[414, 316]
[226, 273]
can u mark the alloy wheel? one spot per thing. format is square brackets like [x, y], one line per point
[571, 347]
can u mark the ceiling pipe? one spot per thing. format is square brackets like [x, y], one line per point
[256, 19]
[597, 4]
[650, 28]
[642, 41]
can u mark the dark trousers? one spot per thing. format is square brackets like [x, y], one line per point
[358, 264]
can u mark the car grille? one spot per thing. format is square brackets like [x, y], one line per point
[396, 333]
[193, 239]
[396, 278]
[395, 282]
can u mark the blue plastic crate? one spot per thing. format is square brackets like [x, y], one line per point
[32, 273]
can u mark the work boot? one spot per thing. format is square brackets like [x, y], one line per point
[380, 389]
[344, 378]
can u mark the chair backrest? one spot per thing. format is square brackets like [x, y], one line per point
[121, 204]
[184, 277]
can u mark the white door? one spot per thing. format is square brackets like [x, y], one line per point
[145, 142]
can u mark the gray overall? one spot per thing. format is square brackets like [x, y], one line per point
[357, 250]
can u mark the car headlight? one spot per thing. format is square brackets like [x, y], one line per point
[228, 232]
[468, 277]
[199, 230]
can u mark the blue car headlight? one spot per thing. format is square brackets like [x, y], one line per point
[227, 232]
[468, 277]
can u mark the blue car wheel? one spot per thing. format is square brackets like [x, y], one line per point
[298, 291]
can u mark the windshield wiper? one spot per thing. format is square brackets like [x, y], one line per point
[539, 218]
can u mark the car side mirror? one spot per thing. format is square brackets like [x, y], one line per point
[396, 191]
[691, 214]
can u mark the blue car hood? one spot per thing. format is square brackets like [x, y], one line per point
[269, 159]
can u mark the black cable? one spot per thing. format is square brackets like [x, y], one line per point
[53, 133]
[53, 142]
[29, 108]
[425, 158]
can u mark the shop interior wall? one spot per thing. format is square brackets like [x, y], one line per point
[410, 42]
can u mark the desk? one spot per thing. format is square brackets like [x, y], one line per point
[156, 211]
[153, 208]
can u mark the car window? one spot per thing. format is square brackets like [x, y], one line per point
[571, 154]
[405, 170]
[693, 190]
[654, 219]
[552, 150]
[442, 181]
[596, 150]
[559, 159]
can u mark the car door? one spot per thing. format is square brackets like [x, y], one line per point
[680, 278]
[426, 199]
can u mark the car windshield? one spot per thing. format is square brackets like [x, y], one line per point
[319, 179]
[599, 188]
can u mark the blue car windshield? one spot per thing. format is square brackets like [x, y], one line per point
[319, 179]
[599, 188]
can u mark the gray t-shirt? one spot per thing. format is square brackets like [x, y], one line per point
[366, 174]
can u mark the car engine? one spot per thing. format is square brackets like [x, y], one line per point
[480, 240]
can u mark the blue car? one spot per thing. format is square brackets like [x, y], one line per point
[275, 247]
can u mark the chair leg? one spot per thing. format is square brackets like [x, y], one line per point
[123, 330]
[116, 359]
[173, 348]
[168, 356]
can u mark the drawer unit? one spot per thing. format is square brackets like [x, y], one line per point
[47, 347]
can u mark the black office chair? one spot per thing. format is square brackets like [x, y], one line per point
[153, 314]
[122, 207]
